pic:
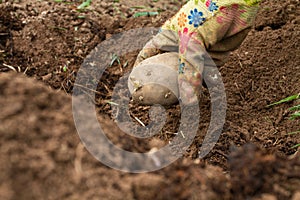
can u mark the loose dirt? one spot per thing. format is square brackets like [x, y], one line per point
[42, 46]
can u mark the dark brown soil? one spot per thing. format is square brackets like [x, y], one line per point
[42, 156]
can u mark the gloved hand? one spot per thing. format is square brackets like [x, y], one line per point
[203, 33]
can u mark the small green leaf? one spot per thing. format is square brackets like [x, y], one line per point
[295, 115]
[293, 133]
[296, 146]
[112, 103]
[115, 58]
[141, 14]
[65, 68]
[295, 108]
[291, 98]
[85, 4]
[125, 64]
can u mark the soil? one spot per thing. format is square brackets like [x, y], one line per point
[44, 43]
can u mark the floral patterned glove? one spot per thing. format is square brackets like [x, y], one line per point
[201, 30]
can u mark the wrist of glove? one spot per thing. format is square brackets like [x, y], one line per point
[165, 41]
